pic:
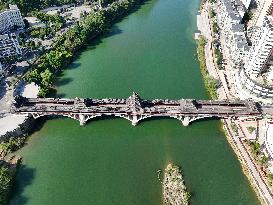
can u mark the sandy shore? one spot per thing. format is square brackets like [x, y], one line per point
[29, 90]
[9, 122]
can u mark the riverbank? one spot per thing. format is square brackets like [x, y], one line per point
[16, 125]
[51, 64]
[132, 57]
[211, 84]
[13, 133]
[226, 92]
[44, 74]
[9, 143]
[237, 142]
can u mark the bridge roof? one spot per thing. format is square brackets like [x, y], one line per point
[135, 105]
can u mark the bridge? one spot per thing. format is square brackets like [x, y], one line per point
[136, 109]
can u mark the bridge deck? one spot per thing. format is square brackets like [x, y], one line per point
[136, 105]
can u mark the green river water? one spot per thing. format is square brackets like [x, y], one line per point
[108, 161]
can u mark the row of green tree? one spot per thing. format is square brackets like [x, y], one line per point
[28, 5]
[53, 62]
[211, 84]
[53, 23]
[6, 170]
[41, 33]
[5, 183]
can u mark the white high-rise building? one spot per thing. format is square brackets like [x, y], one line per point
[232, 31]
[261, 49]
[264, 8]
[10, 17]
[246, 3]
[9, 46]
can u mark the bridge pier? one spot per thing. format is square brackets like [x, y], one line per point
[82, 119]
[35, 115]
[186, 121]
[134, 120]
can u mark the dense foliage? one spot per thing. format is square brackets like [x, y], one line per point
[11, 145]
[248, 16]
[219, 57]
[6, 169]
[53, 62]
[5, 181]
[234, 128]
[212, 13]
[28, 5]
[251, 129]
[52, 20]
[215, 27]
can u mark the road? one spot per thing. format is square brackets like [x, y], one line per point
[250, 164]
[227, 92]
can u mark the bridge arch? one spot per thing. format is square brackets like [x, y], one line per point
[36, 116]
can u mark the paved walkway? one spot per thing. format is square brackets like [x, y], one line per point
[269, 138]
[249, 162]
[205, 28]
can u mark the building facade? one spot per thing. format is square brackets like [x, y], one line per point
[232, 31]
[264, 8]
[248, 88]
[10, 18]
[9, 46]
[246, 3]
[261, 50]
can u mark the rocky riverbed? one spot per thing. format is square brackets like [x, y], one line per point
[174, 189]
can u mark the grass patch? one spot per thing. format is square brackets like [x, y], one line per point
[211, 84]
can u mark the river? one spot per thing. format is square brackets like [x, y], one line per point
[108, 161]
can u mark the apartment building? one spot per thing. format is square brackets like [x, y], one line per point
[264, 8]
[232, 32]
[228, 14]
[9, 18]
[9, 46]
[241, 6]
[261, 50]
[246, 3]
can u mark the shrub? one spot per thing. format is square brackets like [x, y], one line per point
[251, 129]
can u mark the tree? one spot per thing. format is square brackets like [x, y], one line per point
[49, 64]
[31, 45]
[251, 129]
[215, 27]
[43, 92]
[47, 78]
[264, 160]
[34, 76]
[255, 148]
[5, 180]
